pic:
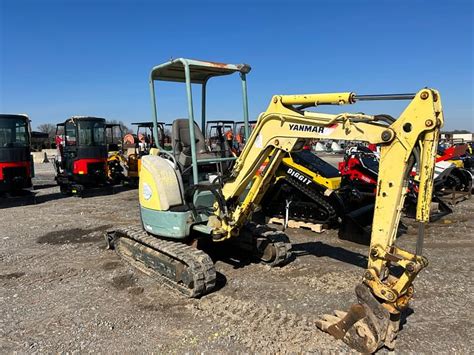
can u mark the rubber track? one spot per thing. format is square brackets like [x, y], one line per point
[198, 264]
[319, 202]
[281, 244]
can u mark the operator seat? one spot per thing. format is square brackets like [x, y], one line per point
[182, 143]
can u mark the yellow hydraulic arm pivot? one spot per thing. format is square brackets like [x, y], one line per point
[412, 138]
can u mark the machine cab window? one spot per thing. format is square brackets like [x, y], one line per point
[14, 133]
[70, 134]
[91, 133]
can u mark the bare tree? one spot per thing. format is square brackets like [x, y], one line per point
[48, 128]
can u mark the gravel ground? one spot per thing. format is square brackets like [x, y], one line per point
[61, 291]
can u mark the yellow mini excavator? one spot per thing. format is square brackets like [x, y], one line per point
[184, 198]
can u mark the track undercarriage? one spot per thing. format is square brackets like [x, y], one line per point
[184, 267]
[303, 204]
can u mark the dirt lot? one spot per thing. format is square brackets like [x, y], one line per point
[61, 291]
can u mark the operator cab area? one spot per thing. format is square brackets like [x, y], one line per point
[182, 182]
[212, 151]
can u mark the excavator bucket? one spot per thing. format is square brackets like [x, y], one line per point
[366, 327]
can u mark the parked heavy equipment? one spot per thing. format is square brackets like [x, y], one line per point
[239, 138]
[180, 206]
[305, 185]
[227, 135]
[117, 164]
[16, 167]
[82, 159]
[144, 138]
[139, 144]
[306, 189]
[468, 157]
[220, 137]
[113, 137]
[459, 180]
[359, 171]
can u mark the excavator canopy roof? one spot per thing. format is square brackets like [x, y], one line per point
[200, 70]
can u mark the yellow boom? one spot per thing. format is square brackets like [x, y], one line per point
[413, 137]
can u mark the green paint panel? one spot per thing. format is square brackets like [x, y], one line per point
[167, 224]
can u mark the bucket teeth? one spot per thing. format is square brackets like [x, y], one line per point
[340, 314]
[327, 320]
[340, 322]
[366, 327]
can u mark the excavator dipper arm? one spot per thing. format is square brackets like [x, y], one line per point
[374, 321]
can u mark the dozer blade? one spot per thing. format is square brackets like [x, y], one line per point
[366, 327]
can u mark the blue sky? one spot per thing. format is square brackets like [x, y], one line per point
[63, 58]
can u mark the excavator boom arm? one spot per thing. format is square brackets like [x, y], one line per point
[410, 139]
